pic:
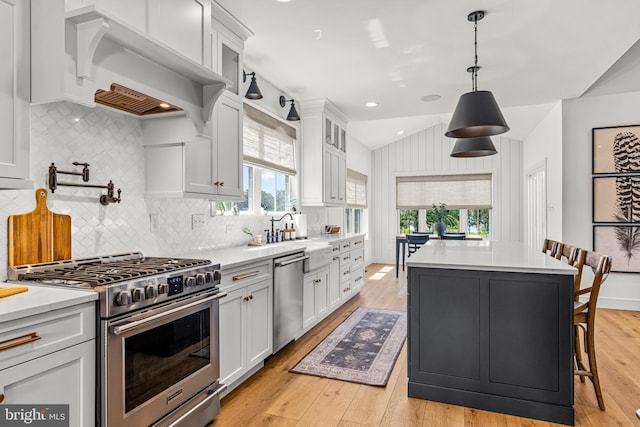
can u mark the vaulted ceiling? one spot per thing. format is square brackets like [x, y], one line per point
[394, 52]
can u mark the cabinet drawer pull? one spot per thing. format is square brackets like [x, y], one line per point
[345, 246]
[245, 275]
[335, 258]
[346, 258]
[221, 184]
[1, 398]
[346, 272]
[358, 279]
[358, 258]
[14, 342]
[337, 248]
[358, 242]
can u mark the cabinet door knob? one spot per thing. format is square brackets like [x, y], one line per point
[1, 398]
[221, 184]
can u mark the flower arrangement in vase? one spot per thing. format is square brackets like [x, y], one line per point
[441, 212]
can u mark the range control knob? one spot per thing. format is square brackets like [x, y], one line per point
[123, 298]
[163, 288]
[151, 291]
[200, 279]
[216, 275]
[137, 294]
[191, 281]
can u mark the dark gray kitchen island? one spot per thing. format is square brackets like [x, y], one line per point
[491, 327]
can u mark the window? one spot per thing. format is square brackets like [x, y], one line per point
[269, 163]
[356, 202]
[468, 200]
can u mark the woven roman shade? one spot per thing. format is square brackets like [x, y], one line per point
[471, 191]
[356, 189]
[268, 143]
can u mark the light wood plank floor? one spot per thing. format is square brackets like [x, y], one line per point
[275, 397]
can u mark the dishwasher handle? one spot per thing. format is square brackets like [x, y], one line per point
[291, 261]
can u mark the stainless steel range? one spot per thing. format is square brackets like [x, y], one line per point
[159, 335]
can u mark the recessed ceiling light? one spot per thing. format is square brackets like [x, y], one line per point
[164, 105]
[400, 132]
[371, 104]
[430, 98]
[283, 1]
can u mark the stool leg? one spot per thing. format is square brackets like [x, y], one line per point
[593, 367]
[578, 352]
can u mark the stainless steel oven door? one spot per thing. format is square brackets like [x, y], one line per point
[155, 361]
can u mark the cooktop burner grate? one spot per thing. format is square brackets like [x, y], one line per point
[92, 272]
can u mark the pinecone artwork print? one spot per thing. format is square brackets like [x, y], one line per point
[626, 156]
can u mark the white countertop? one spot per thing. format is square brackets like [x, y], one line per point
[238, 255]
[40, 299]
[487, 256]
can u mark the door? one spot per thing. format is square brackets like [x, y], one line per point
[14, 89]
[259, 322]
[228, 142]
[232, 347]
[536, 230]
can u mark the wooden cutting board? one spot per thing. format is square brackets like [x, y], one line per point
[40, 235]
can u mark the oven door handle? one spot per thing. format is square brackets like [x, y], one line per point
[212, 394]
[120, 329]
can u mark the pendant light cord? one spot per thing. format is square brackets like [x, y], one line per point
[474, 75]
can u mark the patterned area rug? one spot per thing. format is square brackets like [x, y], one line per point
[362, 349]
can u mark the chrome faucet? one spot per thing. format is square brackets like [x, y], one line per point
[274, 236]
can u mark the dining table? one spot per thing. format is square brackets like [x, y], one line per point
[401, 245]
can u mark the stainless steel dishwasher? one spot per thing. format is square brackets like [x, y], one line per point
[287, 298]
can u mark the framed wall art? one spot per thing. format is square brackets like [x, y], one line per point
[616, 150]
[620, 242]
[616, 199]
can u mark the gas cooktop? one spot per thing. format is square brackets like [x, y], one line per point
[125, 282]
[100, 271]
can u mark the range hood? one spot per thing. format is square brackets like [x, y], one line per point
[88, 56]
[132, 101]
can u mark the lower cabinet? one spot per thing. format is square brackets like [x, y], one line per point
[49, 358]
[335, 296]
[246, 322]
[63, 377]
[315, 297]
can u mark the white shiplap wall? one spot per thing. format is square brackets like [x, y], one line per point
[427, 152]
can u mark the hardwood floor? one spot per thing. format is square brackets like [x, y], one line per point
[275, 397]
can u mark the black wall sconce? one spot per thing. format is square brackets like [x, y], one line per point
[254, 91]
[293, 114]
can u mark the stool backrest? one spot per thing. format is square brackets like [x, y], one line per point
[414, 241]
[552, 247]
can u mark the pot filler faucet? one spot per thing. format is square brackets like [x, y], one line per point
[274, 235]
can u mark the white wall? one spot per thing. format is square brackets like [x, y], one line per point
[359, 159]
[544, 144]
[427, 152]
[579, 116]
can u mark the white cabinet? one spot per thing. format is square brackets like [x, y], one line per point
[246, 321]
[209, 167]
[315, 297]
[182, 25]
[56, 368]
[14, 94]
[323, 137]
[334, 277]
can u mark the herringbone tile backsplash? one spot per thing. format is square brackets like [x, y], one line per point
[111, 143]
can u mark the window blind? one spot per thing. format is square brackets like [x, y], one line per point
[268, 143]
[471, 191]
[356, 189]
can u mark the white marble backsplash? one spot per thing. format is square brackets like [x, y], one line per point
[64, 132]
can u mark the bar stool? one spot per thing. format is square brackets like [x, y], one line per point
[584, 317]
[454, 236]
[552, 247]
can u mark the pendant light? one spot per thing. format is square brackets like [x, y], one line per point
[293, 114]
[477, 113]
[473, 147]
[254, 91]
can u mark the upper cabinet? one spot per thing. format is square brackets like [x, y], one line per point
[323, 137]
[14, 94]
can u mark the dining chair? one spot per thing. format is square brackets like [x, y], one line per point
[454, 236]
[552, 247]
[414, 241]
[584, 317]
